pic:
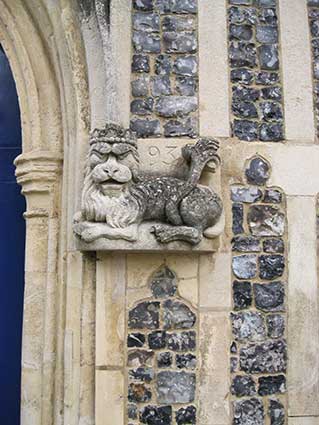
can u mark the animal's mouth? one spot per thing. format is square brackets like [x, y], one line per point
[110, 186]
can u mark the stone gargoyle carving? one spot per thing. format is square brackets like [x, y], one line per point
[116, 198]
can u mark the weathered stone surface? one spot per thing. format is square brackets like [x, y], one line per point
[145, 128]
[271, 111]
[267, 357]
[248, 326]
[175, 106]
[245, 130]
[186, 361]
[267, 78]
[242, 54]
[144, 5]
[245, 93]
[163, 283]
[243, 385]
[138, 358]
[238, 15]
[140, 63]
[275, 325]
[240, 32]
[142, 106]
[242, 295]
[238, 218]
[135, 340]
[144, 374]
[186, 415]
[268, 16]
[271, 93]
[265, 220]
[132, 411]
[244, 109]
[249, 412]
[241, 2]
[175, 387]
[139, 393]
[276, 412]
[177, 315]
[153, 415]
[148, 22]
[267, 34]
[258, 171]
[177, 128]
[186, 86]
[164, 359]
[178, 23]
[244, 76]
[179, 42]
[186, 65]
[268, 57]
[269, 296]
[181, 341]
[271, 266]
[233, 364]
[268, 385]
[233, 348]
[246, 244]
[161, 85]
[145, 42]
[246, 194]
[245, 266]
[140, 87]
[177, 6]
[144, 315]
[271, 132]
[273, 196]
[163, 65]
[266, 3]
[157, 340]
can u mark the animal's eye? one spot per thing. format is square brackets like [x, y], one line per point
[123, 155]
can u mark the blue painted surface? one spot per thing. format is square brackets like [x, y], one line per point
[12, 241]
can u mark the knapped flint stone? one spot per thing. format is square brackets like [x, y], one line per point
[145, 128]
[271, 93]
[274, 245]
[266, 357]
[314, 3]
[268, 385]
[269, 296]
[258, 171]
[244, 109]
[164, 359]
[273, 196]
[244, 76]
[268, 16]
[313, 14]
[249, 412]
[241, 2]
[238, 15]
[175, 106]
[142, 106]
[266, 220]
[271, 132]
[316, 69]
[140, 63]
[267, 34]
[163, 65]
[163, 283]
[245, 130]
[242, 54]
[271, 111]
[139, 393]
[175, 387]
[233, 348]
[248, 326]
[186, 415]
[132, 411]
[140, 87]
[246, 244]
[245, 93]
[154, 415]
[243, 385]
[233, 364]
[177, 6]
[266, 3]
[148, 22]
[266, 78]
[245, 266]
[240, 32]
[139, 358]
[161, 85]
[276, 412]
[181, 341]
[157, 340]
[178, 128]
[145, 42]
[238, 218]
[144, 374]
[186, 361]
[268, 57]
[275, 325]
[178, 23]
[144, 5]
[186, 65]
[271, 266]
[179, 42]
[135, 340]
[246, 194]
[177, 315]
[242, 295]
[186, 86]
[144, 315]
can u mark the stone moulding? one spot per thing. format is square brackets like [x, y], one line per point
[125, 209]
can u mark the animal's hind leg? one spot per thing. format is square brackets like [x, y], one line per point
[165, 233]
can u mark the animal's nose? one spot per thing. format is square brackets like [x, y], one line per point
[111, 166]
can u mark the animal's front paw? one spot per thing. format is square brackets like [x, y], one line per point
[161, 233]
